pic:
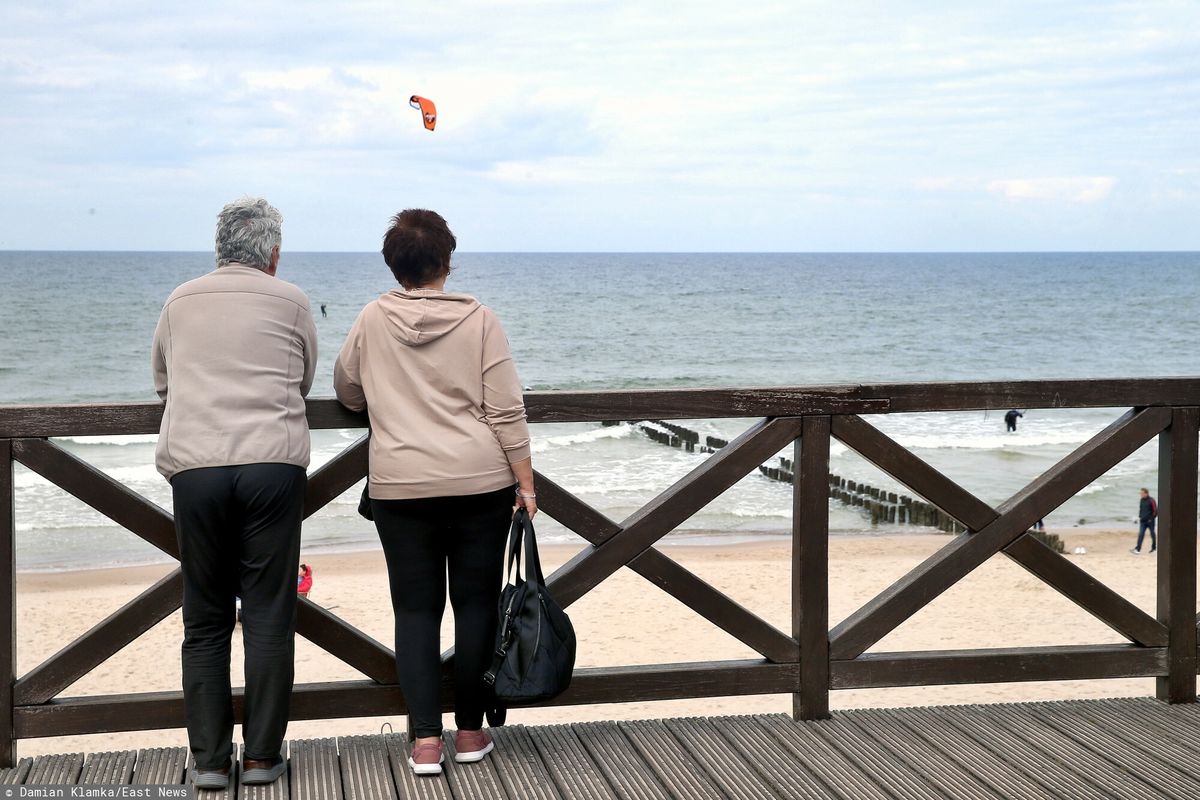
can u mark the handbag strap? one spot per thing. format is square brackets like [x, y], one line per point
[514, 547]
[533, 562]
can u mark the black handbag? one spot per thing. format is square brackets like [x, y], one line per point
[535, 641]
[364, 503]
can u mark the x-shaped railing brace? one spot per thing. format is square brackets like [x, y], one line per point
[998, 530]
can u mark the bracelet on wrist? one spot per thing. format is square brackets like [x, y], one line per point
[529, 496]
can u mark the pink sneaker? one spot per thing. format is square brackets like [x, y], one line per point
[427, 758]
[472, 746]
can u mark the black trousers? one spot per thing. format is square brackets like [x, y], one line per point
[239, 536]
[422, 541]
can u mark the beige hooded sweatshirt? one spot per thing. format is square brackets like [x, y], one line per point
[436, 376]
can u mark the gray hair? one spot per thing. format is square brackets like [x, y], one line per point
[248, 229]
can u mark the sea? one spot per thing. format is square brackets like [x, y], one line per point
[75, 327]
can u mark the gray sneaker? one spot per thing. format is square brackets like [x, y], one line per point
[260, 772]
[1135, 551]
[210, 778]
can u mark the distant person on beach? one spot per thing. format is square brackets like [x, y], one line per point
[234, 355]
[323, 314]
[1147, 521]
[449, 444]
[304, 580]
[1010, 419]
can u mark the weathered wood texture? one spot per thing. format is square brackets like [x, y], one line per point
[8, 605]
[314, 770]
[1000, 665]
[1177, 454]
[810, 568]
[775, 401]
[808, 663]
[1125, 749]
[345, 699]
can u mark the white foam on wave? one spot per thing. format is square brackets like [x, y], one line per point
[997, 441]
[112, 441]
[755, 512]
[542, 444]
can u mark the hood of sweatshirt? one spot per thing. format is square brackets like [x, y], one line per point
[421, 316]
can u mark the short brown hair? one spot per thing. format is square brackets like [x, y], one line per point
[417, 247]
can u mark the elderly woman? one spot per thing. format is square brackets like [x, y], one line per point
[449, 444]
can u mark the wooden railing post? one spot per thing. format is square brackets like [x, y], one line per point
[810, 567]
[8, 604]
[1177, 475]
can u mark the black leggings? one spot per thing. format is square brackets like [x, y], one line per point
[421, 538]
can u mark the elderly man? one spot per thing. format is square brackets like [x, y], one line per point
[234, 356]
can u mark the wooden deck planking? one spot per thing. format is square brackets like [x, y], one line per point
[941, 773]
[161, 765]
[570, 765]
[113, 768]
[55, 769]
[1053, 771]
[677, 770]
[521, 770]
[366, 768]
[1083, 750]
[845, 759]
[1182, 752]
[779, 765]
[12, 776]
[1166, 720]
[1114, 777]
[957, 746]
[314, 770]
[1151, 765]
[736, 776]
[614, 755]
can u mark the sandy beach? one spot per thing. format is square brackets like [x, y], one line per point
[628, 621]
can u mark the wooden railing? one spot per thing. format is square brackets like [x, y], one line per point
[807, 661]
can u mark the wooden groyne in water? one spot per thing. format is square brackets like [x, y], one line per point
[881, 506]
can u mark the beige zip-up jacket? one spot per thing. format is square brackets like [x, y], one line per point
[234, 355]
[436, 376]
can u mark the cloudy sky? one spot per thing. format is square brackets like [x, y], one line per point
[792, 126]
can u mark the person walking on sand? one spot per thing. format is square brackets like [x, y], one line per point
[449, 444]
[1147, 520]
[234, 355]
[1010, 419]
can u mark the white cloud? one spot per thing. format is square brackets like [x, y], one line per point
[1065, 189]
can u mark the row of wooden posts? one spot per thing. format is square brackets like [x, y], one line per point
[883, 507]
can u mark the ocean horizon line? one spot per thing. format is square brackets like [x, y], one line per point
[153, 251]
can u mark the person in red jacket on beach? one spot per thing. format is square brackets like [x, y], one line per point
[304, 580]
